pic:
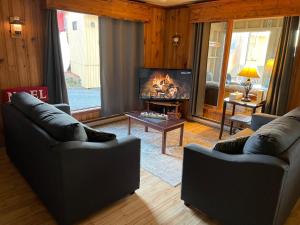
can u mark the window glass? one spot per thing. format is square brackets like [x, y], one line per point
[214, 62]
[254, 43]
[79, 39]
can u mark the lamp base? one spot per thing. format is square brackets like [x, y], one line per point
[246, 99]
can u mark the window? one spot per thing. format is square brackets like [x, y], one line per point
[254, 43]
[79, 39]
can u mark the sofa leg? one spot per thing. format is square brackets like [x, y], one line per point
[187, 204]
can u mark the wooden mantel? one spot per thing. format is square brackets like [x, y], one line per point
[222, 10]
[119, 9]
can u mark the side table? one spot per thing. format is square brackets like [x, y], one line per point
[253, 105]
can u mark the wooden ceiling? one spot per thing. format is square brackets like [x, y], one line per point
[172, 3]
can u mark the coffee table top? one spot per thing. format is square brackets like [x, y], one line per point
[155, 123]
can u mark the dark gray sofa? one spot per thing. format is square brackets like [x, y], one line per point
[74, 178]
[247, 189]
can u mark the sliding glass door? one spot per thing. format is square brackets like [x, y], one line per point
[251, 42]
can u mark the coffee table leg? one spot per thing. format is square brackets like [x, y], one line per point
[129, 125]
[164, 138]
[146, 128]
[181, 135]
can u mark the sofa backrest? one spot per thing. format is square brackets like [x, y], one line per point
[58, 124]
[275, 137]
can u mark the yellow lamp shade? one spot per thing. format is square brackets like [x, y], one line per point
[249, 72]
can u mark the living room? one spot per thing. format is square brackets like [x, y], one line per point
[149, 112]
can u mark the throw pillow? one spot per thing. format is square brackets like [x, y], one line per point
[231, 146]
[98, 136]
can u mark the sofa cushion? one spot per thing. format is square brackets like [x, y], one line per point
[25, 102]
[58, 124]
[98, 136]
[274, 137]
[231, 146]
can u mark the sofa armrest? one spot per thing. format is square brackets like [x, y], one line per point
[96, 174]
[236, 189]
[63, 107]
[260, 119]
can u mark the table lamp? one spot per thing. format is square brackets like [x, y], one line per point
[248, 72]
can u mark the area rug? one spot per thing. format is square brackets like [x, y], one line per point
[167, 167]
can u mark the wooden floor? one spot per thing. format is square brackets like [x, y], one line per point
[154, 203]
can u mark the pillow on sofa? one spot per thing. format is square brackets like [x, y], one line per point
[274, 137]
[231, 146]
[58, 124]
[98, 136]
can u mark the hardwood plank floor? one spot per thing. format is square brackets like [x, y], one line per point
[155, 202]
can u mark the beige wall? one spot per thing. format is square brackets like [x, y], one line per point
[84, 49]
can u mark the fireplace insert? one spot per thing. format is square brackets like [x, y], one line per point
[165, 84]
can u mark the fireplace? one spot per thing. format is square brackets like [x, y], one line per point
[165, 84]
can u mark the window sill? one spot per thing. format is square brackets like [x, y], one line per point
[86, 115]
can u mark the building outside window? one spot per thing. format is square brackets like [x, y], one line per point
[79, 38]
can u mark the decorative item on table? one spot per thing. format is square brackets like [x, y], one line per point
[154, 115]
[235, 96]
[248, 72]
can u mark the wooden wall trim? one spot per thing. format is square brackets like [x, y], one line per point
[119, 9]
[225, 64]
[223, 10]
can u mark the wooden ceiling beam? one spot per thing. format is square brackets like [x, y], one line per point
[223, 10]
[119, 9]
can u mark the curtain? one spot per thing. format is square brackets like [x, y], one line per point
[277, 96]
[200, 55]
[121, 55]
[54, 77]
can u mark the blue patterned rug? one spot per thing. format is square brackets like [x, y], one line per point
[167, 167]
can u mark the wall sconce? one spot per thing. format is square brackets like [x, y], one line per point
[15, 26]
[176, 40]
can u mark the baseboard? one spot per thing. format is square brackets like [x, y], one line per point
[210, 123]
[102, 121]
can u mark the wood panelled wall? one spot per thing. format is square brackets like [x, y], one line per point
[178, 22]
[154, 33]
[20, 59]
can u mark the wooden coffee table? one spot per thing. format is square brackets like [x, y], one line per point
[163, 126]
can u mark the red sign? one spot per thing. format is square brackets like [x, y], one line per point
[38, 92]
